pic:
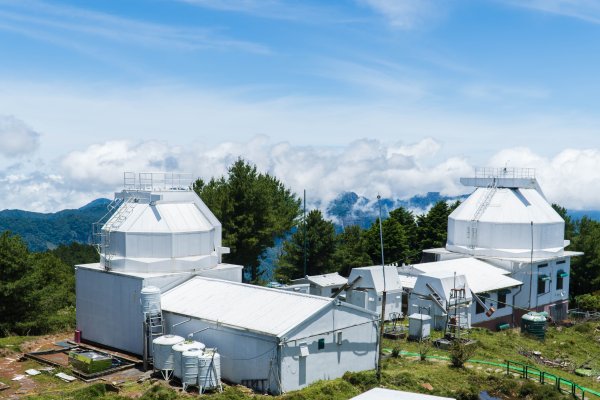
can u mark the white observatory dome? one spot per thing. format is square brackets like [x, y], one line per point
[505, 217]
[160, 228]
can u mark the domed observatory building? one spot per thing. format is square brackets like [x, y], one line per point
[507, 222]
[158, 233]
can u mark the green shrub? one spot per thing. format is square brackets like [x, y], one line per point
[365, 380]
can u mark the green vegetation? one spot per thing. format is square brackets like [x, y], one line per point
[320, 247]
[254, 210]
[37, 290]
[404, 238]
[435, 375]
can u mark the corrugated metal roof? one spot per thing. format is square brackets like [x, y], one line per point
[324, 280]
[482, 277]
[240, 305]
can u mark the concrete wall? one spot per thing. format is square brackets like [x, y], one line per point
[528, 297]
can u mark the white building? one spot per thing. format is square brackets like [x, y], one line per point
[368, 290]
[323, 285]
[492, 285]
[163, 235]
[508, 223]
[266, 336]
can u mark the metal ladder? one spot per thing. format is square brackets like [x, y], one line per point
[153, 328]
[102, 230]
[481, 207]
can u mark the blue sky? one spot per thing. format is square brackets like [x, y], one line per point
[392, 96]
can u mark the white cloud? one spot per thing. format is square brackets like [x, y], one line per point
[16, 138]
[403, 14]
[368, 167]
[570, 178]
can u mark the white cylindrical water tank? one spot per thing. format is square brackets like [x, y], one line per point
[209, 370]
[189, 367]
[178, 350]
[163, 352]
[150, 298]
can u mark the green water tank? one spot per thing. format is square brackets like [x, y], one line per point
[534, 324]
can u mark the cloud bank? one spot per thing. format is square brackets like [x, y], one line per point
[366, 166]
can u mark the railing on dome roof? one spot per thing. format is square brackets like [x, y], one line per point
[157, 181]
[515, 173]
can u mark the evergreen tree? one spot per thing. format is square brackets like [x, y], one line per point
[395, 243]
[570, 225]
[351, 250]
[14, 266]
[254, 209]
[432, 227]
[320, 248]
[585, 269]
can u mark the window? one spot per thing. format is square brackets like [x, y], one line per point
[560, 262]
[478, 307]
[502, 295]
[321, 344]
[542, 279]
[560, 276]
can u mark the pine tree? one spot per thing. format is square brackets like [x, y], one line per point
[254, 209]
[320, 247]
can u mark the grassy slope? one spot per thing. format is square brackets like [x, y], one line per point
[576, 345]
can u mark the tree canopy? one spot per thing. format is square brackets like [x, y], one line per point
[320, 248]
[254, 209]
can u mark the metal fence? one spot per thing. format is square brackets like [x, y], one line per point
[563, 385]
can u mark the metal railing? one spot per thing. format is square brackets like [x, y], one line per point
[516, 173]
[157, 181]
[562, 385]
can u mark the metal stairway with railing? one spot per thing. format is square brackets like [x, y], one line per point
[481, 207]
[110, 221]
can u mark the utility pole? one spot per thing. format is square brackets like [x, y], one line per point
[304, 249]
[383, 296]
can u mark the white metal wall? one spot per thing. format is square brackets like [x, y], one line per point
[244, 355]
[108, 306]
[354, 350]
[108, 309]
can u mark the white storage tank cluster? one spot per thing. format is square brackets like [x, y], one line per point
[178, 351]
[163, 353]
[209, 370]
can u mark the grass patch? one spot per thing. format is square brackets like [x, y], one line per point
[14, 342]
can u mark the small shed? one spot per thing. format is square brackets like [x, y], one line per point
[419, 326]
[323, 285]
[270, 339]
[367, 292]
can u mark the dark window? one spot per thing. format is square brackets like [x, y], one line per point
[541, 282]
[559, 282]
[502, 298]
[543, 265]
[561, 262]
[321, 344]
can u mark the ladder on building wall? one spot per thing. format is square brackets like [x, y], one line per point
[103, 227]
[481, 207]
[153, 328]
